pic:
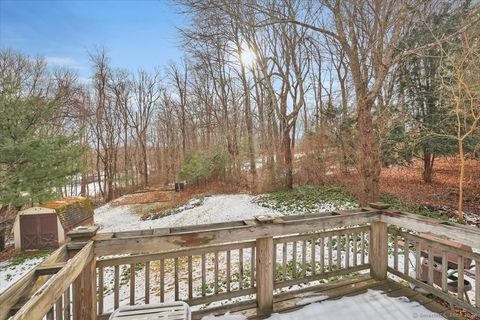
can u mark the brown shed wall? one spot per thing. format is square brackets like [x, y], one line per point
[38, 231]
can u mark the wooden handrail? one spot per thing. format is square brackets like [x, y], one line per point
[23, 287]
[141, 258]
[207, 235]
[43, 300]
[437, 244]
[443, 229]
[327, 233]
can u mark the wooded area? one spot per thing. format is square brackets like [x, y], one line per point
[268, 94]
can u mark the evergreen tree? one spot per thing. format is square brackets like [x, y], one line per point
[420, 85]
[34, 160]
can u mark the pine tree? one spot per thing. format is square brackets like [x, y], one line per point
[419, 83]
[34, 160]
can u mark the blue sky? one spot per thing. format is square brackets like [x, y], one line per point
[136, 34]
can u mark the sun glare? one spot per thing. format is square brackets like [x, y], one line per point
[248, 56]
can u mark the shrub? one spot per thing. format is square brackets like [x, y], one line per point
[204, 166]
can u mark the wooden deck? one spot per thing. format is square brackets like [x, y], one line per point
[291, 301]
[215, 264]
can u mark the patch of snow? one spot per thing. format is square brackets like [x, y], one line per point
[370, 305]
[192, 203]
[470, 218]
[75, 189]
[11, 272]
[219, 208]
[119, 218]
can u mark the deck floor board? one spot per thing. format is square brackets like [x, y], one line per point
[294, 300]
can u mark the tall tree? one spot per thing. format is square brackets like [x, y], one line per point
[419, 82]
[35, 161]
[146, 92]
[369, 32]
[461, 88]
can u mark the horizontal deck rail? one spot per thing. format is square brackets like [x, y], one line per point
[245, 262]
[172, 238]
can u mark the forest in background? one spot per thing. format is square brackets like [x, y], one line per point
[268, 95]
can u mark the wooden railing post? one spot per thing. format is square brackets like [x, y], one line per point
[264, 275]
[378, 246]
[85, 286]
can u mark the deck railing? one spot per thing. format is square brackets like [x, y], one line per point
[224, 265]
[428, 264]
[197, 276]
[311, 257]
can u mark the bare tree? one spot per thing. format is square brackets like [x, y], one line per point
[180, 80]
[461, 87]
[146, 92]
[106, 125]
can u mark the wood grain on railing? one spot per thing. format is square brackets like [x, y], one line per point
[23, 287]
[42, 301]
[178, 238]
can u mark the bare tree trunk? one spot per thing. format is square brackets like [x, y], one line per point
[369, 154]
[143, 146]
[287, 154]
[461, 180]
[428, 161]
[248, 115]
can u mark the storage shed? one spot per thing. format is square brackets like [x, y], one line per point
[46, 226]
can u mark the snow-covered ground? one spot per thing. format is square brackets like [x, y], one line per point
[370, 305]
[12, 270]
[75, 190]
[218, 208]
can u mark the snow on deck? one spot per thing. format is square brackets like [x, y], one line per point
[368, 306]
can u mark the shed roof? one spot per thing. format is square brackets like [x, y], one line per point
[71, 211]
[36, 210]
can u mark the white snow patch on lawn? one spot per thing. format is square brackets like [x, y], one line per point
[11, 272]
[116, 218]
[370, 305]
[217, 208]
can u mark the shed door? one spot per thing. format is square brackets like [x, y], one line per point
[38, 231]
